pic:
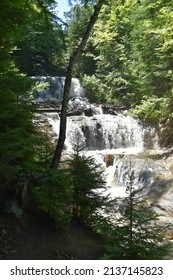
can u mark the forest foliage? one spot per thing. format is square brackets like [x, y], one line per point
[127, 60]
[132, 44]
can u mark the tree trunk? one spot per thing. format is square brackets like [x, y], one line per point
[73, 59]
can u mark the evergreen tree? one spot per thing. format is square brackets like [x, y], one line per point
[15, 116]
[54, 196]
[19, 140]
[136, 232]
[88, 186]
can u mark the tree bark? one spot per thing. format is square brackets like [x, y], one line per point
[73, 59]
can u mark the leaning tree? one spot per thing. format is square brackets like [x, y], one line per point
[74, 57]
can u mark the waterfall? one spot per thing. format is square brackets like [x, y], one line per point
[54, 88]
[102, 132]
[119, 142]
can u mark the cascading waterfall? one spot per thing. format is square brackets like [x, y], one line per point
[116, 141]
[54, 88]
[102, 132]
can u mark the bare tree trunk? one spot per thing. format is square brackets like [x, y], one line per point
[73, 59]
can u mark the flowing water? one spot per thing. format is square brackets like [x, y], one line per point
[54, 86]
[118, 142]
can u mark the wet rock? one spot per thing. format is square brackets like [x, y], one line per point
[88, 112]
[112, 109]
[109, 159]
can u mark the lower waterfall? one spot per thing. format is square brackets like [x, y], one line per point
[116, 142]
[120, 144]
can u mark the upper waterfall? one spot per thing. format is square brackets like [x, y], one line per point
[87, 123]
[55, 86]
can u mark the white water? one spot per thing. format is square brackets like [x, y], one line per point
[104, 136]
[114, 140]
[54, 88]
[118, 142]
[121, 134]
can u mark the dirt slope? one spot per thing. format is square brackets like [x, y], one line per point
[31, 238]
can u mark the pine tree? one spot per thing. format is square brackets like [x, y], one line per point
[19, 140]
[88, 186]
[136, 232]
